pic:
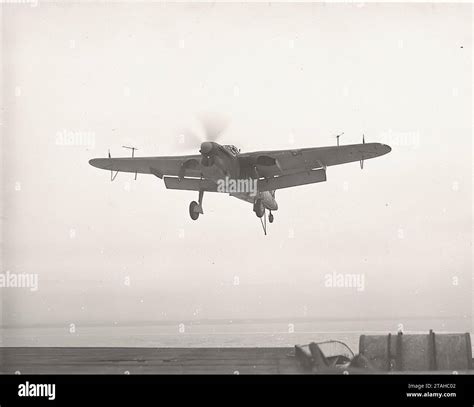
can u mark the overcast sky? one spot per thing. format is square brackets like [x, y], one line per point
[287, 76]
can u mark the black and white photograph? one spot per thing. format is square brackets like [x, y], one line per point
[207, 189]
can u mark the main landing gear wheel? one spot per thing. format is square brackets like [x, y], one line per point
[270, 217]
[258, 208]
[193, 210]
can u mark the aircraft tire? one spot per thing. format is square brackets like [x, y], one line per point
[192, 210]
[258, 208]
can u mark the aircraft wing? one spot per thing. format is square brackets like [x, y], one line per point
[284, 162]
[188, 165]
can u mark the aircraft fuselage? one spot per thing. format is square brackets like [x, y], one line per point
[221, 161]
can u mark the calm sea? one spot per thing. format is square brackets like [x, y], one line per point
[228, 334]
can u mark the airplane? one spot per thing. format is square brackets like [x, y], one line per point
[253, 177]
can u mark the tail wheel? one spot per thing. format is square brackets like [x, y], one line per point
[193, 212]
[270, 217]
[258, 208]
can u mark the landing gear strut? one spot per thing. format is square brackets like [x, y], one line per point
[195, 208]
[259, 210]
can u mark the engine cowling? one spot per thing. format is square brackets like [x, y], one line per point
[208, 151]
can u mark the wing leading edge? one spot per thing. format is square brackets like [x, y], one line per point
[158, 166]
[284, 162]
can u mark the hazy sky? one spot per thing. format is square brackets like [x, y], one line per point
[287, 76]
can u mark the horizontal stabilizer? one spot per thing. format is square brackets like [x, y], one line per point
[292, 180]
[190, 184]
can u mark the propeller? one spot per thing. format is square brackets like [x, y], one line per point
[213, 126]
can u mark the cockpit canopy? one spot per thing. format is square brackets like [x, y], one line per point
[232, 149]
